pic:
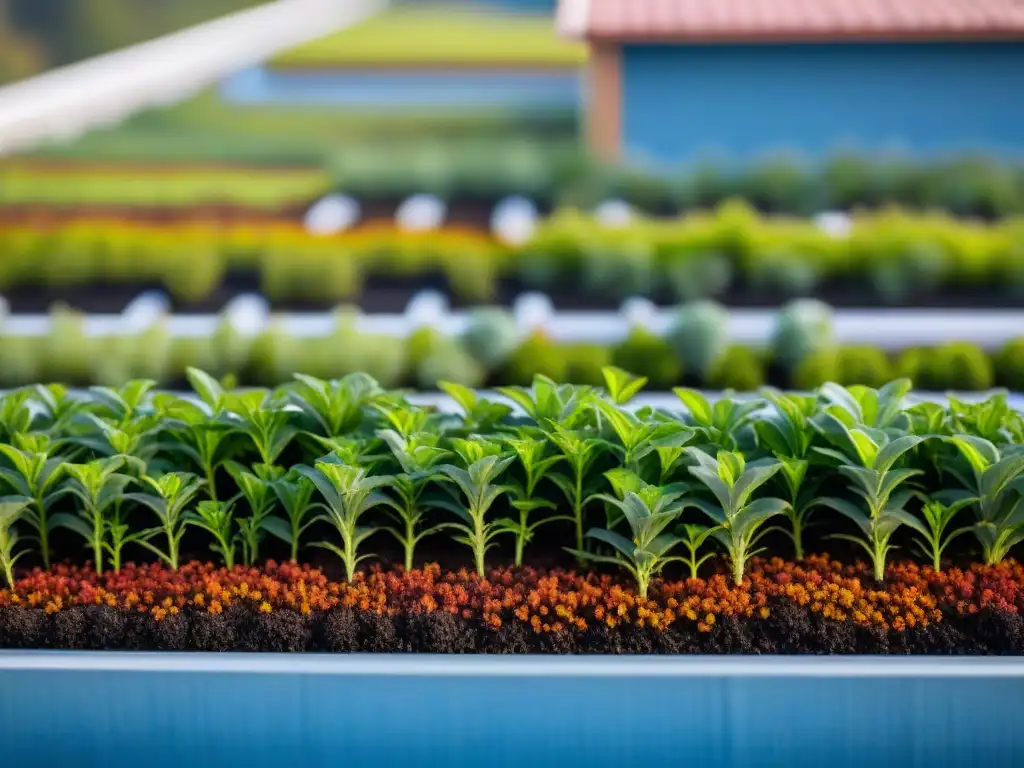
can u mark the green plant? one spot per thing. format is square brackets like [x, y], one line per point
[208, 441]
[98, 486]
[295, 494]
[694, 537]
[580, 449]
[802, 328]
[863, 365]
[868, 458]
[726, 421]
[994, 485]
[448, 359]
[536, 464]
[699, 335]
[585, 362]
[960, 366]
[479, 413]
[645, 353]
[1009, 365]
[337, 406]
[34, 474]
[418, 454]
[877, 408]
[646, 553]
[350, 493]
[169, 497]
[549, 403]
[937, 518]
[491, 336]
[536, 356]
[10, 513]
[787, 432]
[263, 421]
[218, 519]
[738, 368]
[738, 516]
[479, 491]
[815, 369]
[256, 488]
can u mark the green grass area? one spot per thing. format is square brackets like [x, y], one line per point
[38, 183]
[207, 128]
[441, 35]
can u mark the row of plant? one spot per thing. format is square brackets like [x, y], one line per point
[886, 257]
[345, 465]
[27, 183]
[965, 186]
[553, 172]
[695, 351]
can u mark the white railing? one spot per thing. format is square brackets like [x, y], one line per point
[65, 102]
[887, 328]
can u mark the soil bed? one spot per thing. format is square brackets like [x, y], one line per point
[384, 294]
[816, 607]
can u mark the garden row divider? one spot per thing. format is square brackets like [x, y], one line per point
[893, 329]
[430, 665]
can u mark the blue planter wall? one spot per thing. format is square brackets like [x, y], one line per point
[681, 102]
[172, 710]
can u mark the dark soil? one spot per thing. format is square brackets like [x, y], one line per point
[790, 629]
[391, 294]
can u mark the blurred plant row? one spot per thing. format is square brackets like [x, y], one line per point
[171, 186]
[695, 350]
[338, 464]
[554, 172]
[888, 256]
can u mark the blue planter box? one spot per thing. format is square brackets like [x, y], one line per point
[110, 709]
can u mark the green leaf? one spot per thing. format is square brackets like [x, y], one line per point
[72, 523]
[278, 528]
[208, 388]
[845, 508]
[695, 403]
[620, 542]
[622, 385]
[892, 452]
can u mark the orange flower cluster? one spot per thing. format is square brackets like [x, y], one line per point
[912, 595]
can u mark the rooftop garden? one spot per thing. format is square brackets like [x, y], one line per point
[441, 36]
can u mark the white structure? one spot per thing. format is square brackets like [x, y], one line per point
[64, 103]
[421, 213]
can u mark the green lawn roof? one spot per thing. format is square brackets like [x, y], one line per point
[442, 36]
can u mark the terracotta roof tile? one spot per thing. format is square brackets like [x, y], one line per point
[794, 19]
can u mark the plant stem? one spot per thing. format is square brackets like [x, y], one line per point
[520, 540]
[97, 542]
[410, 542]
[737, 570]
[798, 539]
[211, 481]
[44, 534]
[578, 511]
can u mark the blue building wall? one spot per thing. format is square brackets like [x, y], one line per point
[682, 101]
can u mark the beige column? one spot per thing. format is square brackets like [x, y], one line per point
[604, 100]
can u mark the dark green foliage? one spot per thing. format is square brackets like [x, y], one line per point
[647, 354]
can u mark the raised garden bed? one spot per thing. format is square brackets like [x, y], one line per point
[733, 254]
[699, 345]
[626, 532]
